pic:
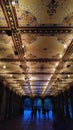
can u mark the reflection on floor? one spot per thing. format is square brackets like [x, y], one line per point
[40, 122]
[26, 122]
[48, 115]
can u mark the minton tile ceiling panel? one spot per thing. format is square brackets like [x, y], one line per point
[36, 12]
[44, 46]
[6, 46]
[36, 63]
[3, 22]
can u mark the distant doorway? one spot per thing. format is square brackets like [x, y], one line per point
[27, 108]
[27, 103]
[38, 103]
[48, 107]
[48, 104]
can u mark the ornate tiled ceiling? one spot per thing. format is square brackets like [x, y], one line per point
[3, 22]
[35, 12]
[36, 46]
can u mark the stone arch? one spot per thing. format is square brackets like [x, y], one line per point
[27, 102]
[47, 103]
[37, 102]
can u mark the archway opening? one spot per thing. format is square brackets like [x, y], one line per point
[27, 103]
[38, 103]
[27, 108]
[48, 107]
[38, 107]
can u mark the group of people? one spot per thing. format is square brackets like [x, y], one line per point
[35, 110]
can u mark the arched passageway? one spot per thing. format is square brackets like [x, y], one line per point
[38, 107]
[38, 103]
[27, 105]
[48, 103]
[48, 108]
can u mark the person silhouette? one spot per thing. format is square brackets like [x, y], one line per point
[39, 111]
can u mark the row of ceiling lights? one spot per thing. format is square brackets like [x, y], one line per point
[4, 67]
[65, 46]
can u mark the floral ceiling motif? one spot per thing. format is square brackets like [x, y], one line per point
[2, 19]
[52, 7]
[28, 38]
[66, 38]
[34, 59]
[28, 18]
[25, 17]
[69, 19]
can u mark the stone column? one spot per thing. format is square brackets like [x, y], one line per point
[10, 104]
[67, 105]
[3, 105]
[71, 99]
[62, 104]
[1, 93]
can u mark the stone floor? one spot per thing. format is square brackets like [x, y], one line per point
[26, 122]
[40, 122]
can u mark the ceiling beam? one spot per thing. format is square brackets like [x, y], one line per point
[37, 60]
[42, 30]
[37, 73]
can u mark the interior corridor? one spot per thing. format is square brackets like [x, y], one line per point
[40, 122]
[36, 64]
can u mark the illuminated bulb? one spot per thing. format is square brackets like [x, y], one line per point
[68, 75]
[56, 63]
[31, 78]
[48, 78]
[4, 67]
[11, 75]
[22, 46]
[23, 78]
[13, 3]
[54, 69]
[65, 46]
[46, 83]
[60, 55]
[45, 87]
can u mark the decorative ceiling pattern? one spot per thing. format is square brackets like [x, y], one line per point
[3, 22]
[36, 46]
[44, 12]
[25, 18]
